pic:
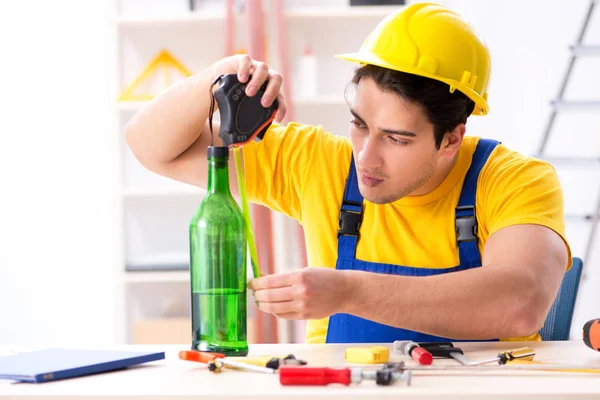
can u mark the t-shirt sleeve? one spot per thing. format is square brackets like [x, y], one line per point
[521, 190]
[276, 167]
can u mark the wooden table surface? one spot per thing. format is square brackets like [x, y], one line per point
[176, 379]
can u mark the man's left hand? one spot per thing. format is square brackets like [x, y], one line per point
[309, 293]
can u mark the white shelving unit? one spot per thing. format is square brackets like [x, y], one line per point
[156, 210]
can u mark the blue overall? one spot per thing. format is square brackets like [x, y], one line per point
[345, 328]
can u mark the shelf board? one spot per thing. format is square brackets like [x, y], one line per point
[300, 13]
[143, 192]
[340, 12]
[193, 17]
[156, 276]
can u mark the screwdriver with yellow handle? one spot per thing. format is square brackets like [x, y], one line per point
[524, 357]
[523, 354]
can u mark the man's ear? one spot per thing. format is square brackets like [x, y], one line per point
[452, 141]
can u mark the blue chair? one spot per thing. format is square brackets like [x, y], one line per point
[558, 322]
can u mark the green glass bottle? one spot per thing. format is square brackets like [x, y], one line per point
[218, 265]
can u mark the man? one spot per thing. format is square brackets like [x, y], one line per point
[414, 231]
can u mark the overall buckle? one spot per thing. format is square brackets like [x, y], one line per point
[349, 223]
[466, 226]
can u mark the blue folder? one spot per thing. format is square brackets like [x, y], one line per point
[53, 364]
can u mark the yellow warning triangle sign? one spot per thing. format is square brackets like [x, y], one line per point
[157, 75]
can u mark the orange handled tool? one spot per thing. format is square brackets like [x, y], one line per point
[199, 356]
[216, 361]
[591, 334]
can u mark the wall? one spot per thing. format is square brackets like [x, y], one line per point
[58, 178]
[529, 43]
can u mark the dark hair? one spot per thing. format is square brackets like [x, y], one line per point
[445, 110]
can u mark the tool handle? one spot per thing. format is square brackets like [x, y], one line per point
[421, 356]
[199, 356]
[524, 353]
[591, 334]
[313, 376]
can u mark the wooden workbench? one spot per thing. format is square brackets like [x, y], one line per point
[175, 379]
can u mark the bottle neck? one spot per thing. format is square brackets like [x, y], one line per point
[218, 175]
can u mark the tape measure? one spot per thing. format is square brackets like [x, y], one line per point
[367, 355]
[243, 117]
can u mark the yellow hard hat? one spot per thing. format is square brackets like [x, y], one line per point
[430, 40]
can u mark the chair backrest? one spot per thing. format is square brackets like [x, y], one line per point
[558, 322]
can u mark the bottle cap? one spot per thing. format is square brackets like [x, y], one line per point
[221, 152]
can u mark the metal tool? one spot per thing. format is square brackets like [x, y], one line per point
[199, 356]
[447, 350]
[322, 376]
[436, 349]
[218, 364]
[367, 355]
[524, 353]
[418, 353]
[270, 361]
[517, 365]
[216, 361]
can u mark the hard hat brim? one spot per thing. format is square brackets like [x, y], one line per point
[363, 58]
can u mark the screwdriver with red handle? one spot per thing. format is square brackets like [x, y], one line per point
[322, 376]
[420, 354]
[315, 376]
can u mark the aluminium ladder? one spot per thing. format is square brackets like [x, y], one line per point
[577, 50]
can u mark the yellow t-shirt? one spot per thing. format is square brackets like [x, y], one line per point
[301, 171]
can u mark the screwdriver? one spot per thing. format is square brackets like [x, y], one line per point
[322, 376]
[418, 353]
[216, 365]
[216, 361]
[524, 353]
[199, 356]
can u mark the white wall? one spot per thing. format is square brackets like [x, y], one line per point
[58, 176]
[529, 42]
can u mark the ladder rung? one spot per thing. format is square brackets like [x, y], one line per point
[585, 161]
[586, 50]
[576, 105]
[585, 217]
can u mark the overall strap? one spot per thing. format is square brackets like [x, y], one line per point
[351, 214]
[465, 219]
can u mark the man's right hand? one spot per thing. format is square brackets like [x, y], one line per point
[244, 66]
[170, 135]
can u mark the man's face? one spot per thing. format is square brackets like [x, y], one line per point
[393, 144]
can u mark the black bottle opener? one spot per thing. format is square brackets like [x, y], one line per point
[243, 118]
